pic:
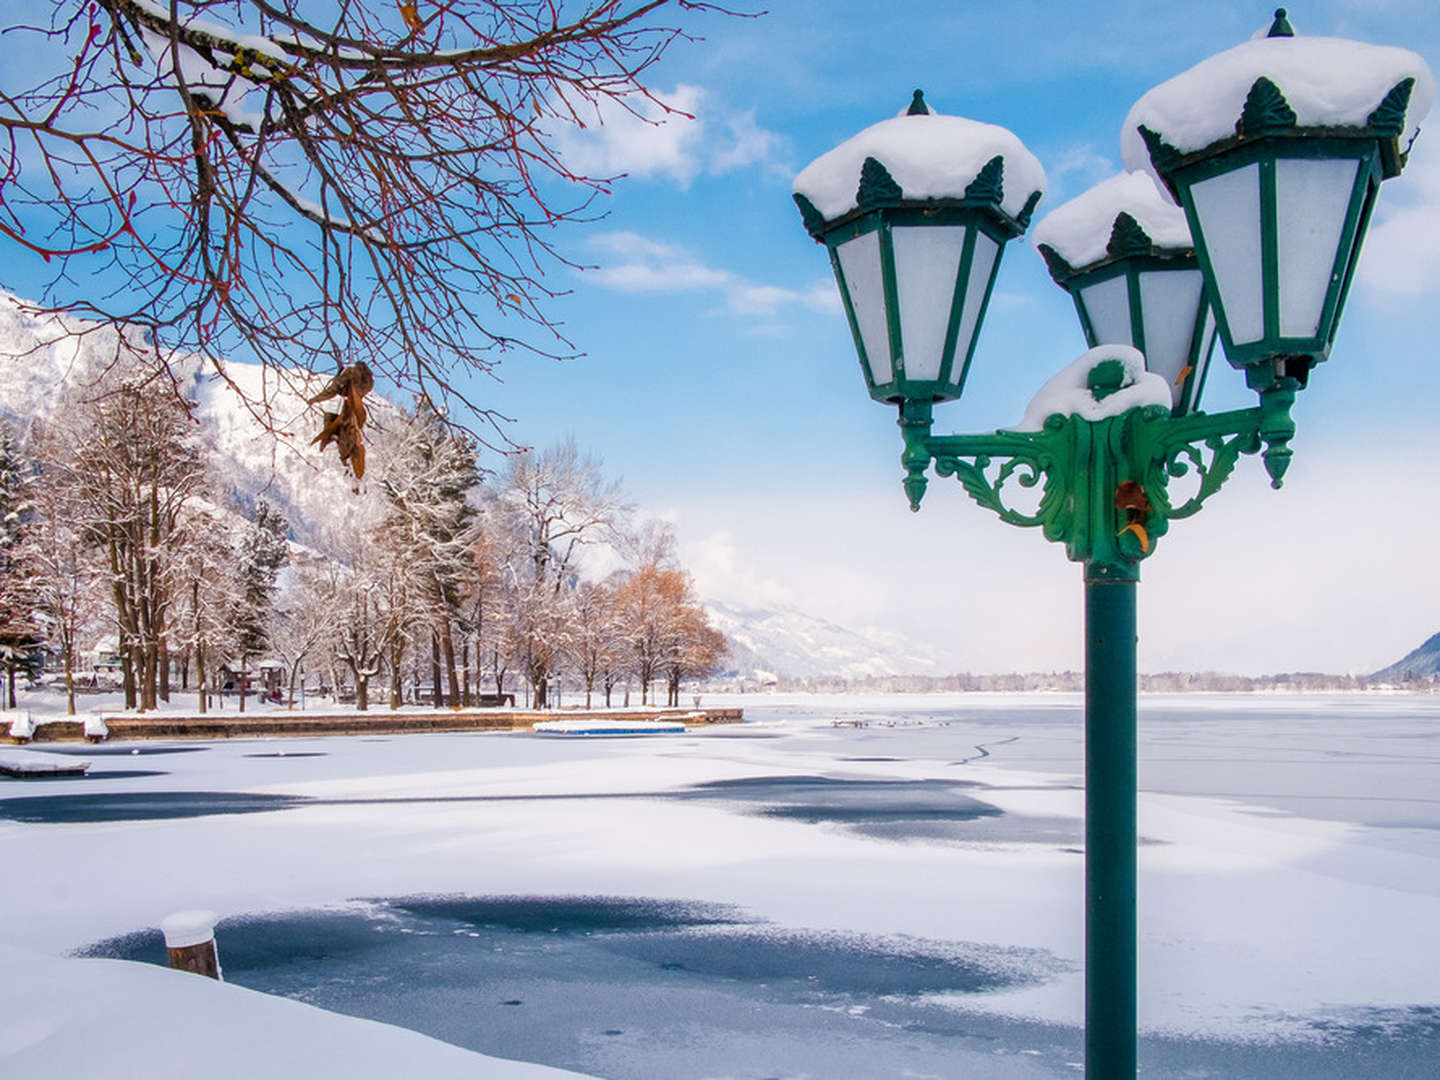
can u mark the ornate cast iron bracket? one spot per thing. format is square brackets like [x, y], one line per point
[1104, 485]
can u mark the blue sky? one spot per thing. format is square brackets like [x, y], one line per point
[719, 378]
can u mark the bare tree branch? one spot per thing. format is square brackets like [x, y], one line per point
[380, 187]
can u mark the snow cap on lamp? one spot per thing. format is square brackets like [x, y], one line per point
[1123, 252]
[1276, 150]
[915, 211]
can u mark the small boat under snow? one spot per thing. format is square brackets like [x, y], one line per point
[609, 727]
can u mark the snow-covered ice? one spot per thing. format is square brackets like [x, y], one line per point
[1289, 892]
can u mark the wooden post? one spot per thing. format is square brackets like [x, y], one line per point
[190, 942]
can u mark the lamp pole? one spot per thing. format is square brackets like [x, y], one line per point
[1258, 248]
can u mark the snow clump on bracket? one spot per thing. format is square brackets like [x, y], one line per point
[929, 155]
[1328, 82]
[1079, 230]
[1069, 394]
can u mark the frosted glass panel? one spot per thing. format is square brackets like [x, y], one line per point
[926, 263]
[860, 259]
[1108, 305]
[981, 264]
[1170, 300]
[1228, 207]
[1311, 200]
[1202, 361]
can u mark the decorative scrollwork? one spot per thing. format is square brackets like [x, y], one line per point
[1024, 469]
[1178, 460]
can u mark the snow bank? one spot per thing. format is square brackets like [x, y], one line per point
[1079, 230]
[1327, 81]
[23, 727]
[930, 156]
[37, 763]
[115, 1020]
[1069, 394]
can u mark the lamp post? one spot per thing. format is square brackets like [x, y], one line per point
[1274, 151]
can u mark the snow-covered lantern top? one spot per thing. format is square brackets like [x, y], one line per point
[1123, 252]
[1276, 149]
[915, 211]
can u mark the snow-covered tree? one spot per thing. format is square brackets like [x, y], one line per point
[427, 481]
[552, 506]
[697, 651]
[65, 575]
[19, 633]
[305, 618]
[135, 464]
[597, 644]
[263, 550]
[208, 595]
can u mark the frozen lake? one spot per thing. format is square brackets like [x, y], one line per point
[842, 887]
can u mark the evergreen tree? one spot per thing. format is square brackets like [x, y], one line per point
[428, 481]
[263, 551]
[19, 634]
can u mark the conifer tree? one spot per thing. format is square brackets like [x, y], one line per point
[263, 551]
[19, 634]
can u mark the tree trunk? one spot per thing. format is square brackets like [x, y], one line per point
[294, 672]
[465, 698]
[244, 664]
[163, 660]
[397, 678]
[362, 692]
[447, 646]
[127, 675]
[10, 682]
[434, 669]
[149, 678]
[200, 677]
[69, 654]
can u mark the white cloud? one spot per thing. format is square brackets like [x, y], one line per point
[1401, 257]
[720, 572]
[633, 263]
[1073, 170]
[679, 135]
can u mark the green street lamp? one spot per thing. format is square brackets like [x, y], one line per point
[1278, 180]
[916, 211]
[1123, 252]
[1274, 150]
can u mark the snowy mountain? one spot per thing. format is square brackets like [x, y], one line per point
[1421, 663]
[44, 366]
[784, 641]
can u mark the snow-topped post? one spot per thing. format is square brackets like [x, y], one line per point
[915, 212]
[1123, 252]
[1276, 199]
[1276, 150]
[190, 942]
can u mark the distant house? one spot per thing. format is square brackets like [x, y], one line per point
[265, 678]
[104, 655]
